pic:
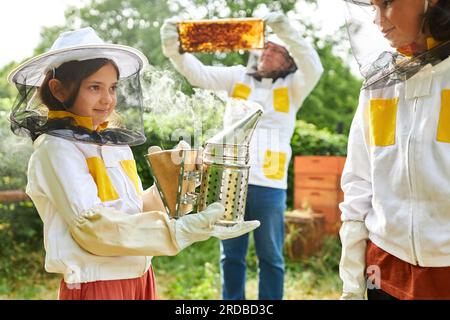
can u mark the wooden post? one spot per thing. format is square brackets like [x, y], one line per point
[304, 234]
[13, 196]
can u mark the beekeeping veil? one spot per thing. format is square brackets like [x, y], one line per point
[31, 117]
[255, 56]
[379, 63]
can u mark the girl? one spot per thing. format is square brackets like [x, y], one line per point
[81, 104]
[396, 178]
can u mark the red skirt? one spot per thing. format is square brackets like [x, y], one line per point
[142, 288]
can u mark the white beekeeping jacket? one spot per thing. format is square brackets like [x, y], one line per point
[396, 178]
[68, 179]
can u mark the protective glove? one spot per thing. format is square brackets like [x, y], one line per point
[169, 38]
[277, 21]
[183, 145]
[352, 266]
[153, 149]
[105, 231]
[201, 226]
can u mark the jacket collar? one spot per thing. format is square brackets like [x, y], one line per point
[85, 122]
[407, 51]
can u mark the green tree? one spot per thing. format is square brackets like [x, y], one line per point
[6, 90]
[14, 151]
[333, 101]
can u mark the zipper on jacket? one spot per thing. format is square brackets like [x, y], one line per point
[408, 148]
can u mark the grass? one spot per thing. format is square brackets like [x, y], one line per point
[39, 288]
[194, 274]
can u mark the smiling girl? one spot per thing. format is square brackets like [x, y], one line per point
[101, 228]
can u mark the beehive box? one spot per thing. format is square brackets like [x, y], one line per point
[317, 186]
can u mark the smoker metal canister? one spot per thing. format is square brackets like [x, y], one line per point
[225, 174]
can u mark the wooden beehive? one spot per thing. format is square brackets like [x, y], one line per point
[317, 186]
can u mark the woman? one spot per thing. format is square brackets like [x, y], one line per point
[396, 178]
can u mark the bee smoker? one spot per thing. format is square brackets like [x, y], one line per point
[223, 172]
[225, 169]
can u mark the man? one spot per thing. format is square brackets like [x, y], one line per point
[279, 80]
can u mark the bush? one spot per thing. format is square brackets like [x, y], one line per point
[14, 152]
[21, 246]
[308, 140]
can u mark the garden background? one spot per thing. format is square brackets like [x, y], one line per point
[321, 129]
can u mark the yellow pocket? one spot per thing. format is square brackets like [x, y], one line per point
[129, 166]
[443, 130]
[383, 119]
[274, 164]
[281, 99]
[106, 191]
[241, 91]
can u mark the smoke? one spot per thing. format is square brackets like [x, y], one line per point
[171, 114]
[14, 155]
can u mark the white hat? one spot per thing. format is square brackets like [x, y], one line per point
[78, 45]
[276, 40]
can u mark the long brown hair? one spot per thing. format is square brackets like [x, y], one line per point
[71, 74]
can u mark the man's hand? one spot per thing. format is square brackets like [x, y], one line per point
[169, 38]
[276, 21]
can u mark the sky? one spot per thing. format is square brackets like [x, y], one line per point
[20, 37]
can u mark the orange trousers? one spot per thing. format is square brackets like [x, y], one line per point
[142, 288]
